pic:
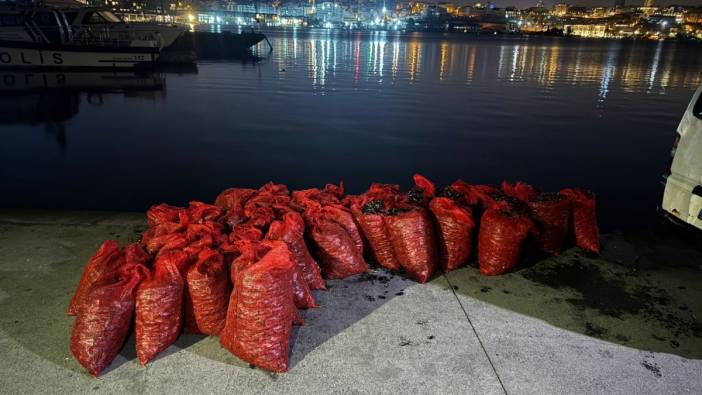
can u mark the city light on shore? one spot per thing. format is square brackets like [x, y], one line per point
[618, 21]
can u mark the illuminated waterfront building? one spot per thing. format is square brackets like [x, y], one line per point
[560, 9]
[512, 13]
[449, 8]
[598, 12]
[586, 30]
[578, 11]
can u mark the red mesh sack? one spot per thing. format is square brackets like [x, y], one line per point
[207, 230]
[208, 288]
[166, 243]
[245, 231]
[454, 227]
[250, 252]
[166, 228]
[106, 260]
[259, 215]
[291, 230]
[261, 311]
[426, 187]
[313, 198]
[522, 191]
[302, 296]
[342, 216]
[269, 201]
[162, 214]
[375, 230]
[551, 215]
[233, 197]
[500, 239]
[135, 254]
[200, 212]
[232, 200]
[159, 306]
[273, 189]
[476, 195]
[103, 322]
[412, 237]
[584, 219]
[337, 251]
[247, 252]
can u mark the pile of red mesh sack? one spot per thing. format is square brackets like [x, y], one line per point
[242, 267]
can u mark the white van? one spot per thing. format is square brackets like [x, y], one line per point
[682, 198]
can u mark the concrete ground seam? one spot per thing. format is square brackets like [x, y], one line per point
[477, 336]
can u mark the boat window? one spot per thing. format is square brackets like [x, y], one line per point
[11, 20]
[110, 17]
[45, 19]
[70, 17]
[93, 18]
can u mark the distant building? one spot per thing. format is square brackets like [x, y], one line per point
[560, 9]
[578, 11]
[449, 8]
[649, 3]
[598, 12]
[512, 13]
[586, 30]
[619, 3]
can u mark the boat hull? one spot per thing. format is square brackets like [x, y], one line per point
[211, 46]
[16, 56]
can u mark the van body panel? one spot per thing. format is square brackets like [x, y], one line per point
[681, 197]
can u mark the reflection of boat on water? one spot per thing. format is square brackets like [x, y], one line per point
[52, 98]
[13, 83]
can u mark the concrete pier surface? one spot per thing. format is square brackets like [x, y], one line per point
[625, 322]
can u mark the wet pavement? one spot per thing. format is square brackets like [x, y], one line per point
[625, 322]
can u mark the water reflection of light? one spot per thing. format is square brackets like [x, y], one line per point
[470, 64]
[442, 65]
[576, 68]
[665, 73]
[378, 52]
[612, 66]
[322, 64]
[607, 73]
[553, 65]
[413, 59]
[356, 57]
[312, 61]
[501, 60]
[515, 59]
[654, 65]
[395, 57]
[334, 59]
[294, 40]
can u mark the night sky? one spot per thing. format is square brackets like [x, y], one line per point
[549, 3]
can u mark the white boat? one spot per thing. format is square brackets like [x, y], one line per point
[49, 36]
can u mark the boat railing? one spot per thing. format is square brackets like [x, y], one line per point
[104, 36]
[101, 36]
